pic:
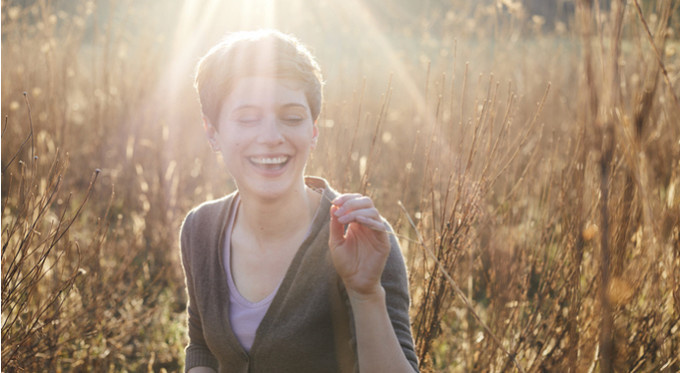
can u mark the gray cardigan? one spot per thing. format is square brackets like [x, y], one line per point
[307, 328]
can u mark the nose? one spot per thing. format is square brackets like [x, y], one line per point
[270, 132]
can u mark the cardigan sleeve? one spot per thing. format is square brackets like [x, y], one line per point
[395, 282]
[197, 352]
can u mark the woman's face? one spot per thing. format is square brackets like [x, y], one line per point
[265, 133]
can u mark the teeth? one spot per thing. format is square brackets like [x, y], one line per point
[275, 160]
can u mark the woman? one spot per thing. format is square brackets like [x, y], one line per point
[285, 274]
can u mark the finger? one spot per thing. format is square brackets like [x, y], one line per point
[366, 214]
[370, 231]
[341, 199]
[371, 223]
[337, 230]
[354, 203]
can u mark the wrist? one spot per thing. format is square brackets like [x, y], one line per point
[376, 295]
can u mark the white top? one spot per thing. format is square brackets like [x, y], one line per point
[244, 315]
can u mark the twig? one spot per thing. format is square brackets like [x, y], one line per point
[458, 290]
[320, 191]
[30, 123]
[378, 124]
[606, 326]
[657, 54]
[524, 138]
[30, 136]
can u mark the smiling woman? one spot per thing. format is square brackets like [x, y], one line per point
[285, 274]
[265, 133]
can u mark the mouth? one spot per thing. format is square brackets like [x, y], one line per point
[269, 163]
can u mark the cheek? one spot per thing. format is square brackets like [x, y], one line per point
[229, 147]
[231, 140]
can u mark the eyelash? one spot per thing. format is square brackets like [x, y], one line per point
[248, 120]
[293, 119]
[288, 119]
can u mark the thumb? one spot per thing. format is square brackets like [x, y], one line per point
[337, 230]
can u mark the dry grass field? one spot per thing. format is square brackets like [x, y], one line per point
[530, 165]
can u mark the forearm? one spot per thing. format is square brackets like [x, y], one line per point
[378, 348]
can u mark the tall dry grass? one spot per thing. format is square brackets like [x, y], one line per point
[531, 174]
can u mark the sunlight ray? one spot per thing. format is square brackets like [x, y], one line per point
[416, 92]
[371, 25]
[258, 14]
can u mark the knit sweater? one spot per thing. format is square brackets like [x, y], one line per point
[307, 328]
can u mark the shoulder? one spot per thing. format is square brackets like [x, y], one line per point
[206, 212]
[201, 226]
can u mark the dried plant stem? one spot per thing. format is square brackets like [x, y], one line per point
[657, 54]
[21, 146]
[459, 291]
[320, 191]
[374, 149]
[606, 318]
[30, 123]
[525, 137]
[356, 128]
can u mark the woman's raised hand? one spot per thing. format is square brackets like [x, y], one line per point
[359, 252]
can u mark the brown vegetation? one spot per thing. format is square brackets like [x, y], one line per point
[532, 175]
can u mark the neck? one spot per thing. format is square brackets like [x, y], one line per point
[271, 219]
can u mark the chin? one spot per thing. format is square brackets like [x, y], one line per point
[274, 189]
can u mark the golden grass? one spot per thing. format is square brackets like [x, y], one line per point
[532, 176]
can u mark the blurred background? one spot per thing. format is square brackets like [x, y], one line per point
[527, 153]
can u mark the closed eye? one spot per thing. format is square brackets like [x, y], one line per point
[248, 119]
[293, 114]
[293, 118]
[247, 115]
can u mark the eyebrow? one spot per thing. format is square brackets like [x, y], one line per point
[293, 104]
[245, 106]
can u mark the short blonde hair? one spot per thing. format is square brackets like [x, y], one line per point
[268, 53]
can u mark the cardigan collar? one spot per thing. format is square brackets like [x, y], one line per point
[321, 217]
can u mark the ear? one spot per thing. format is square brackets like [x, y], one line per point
[210, 132]
[315, 134]
[208, 127]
